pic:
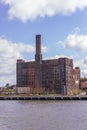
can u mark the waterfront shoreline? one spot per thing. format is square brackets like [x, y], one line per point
[47, 97]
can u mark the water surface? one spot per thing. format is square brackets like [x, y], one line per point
[43, 115]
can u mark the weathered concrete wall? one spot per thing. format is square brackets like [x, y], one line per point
[23, 90]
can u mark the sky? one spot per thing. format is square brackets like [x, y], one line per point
[63, 29]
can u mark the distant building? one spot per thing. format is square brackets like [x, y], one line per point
[55, 76]
[76, 77]
[84, 85]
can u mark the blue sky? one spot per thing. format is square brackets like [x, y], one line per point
[63, 27]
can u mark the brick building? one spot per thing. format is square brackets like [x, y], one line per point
[55, 76]
[83, 83]
[76, 77]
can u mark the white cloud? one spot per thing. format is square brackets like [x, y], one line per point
[9, 53]
[79, 63]
[44, 49]
[31, 9]
[84, 73]
[85, 61]
[76, 41]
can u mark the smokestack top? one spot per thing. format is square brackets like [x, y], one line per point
[38, 44]
[38, 38]
[38, 35]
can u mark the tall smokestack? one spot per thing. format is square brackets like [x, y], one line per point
[38, 56]
[38, 63]
[38, 44]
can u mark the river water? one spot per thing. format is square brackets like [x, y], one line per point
[43, 115]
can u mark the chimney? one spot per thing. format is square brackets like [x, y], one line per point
[38, 44]
[38, 63]
[38, 56]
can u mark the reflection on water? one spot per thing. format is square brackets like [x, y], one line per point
[43, 115]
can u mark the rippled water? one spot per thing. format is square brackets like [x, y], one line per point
[43, 115]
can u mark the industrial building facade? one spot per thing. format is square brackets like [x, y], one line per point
[55, 76]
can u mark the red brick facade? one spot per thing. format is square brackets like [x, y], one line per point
[55, 76]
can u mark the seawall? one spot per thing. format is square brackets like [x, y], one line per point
[43, 98]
